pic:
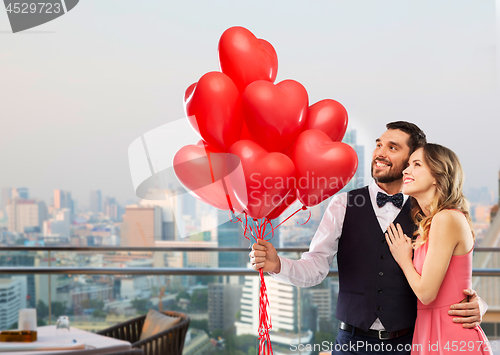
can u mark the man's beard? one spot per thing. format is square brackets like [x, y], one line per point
[394, 174]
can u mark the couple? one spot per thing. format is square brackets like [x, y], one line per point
[367, 229]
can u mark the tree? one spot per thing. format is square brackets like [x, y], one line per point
[93, 304]
[97, 313]
[140, 305]
[205, 279]
[245, 342]
[199, 299]
[182, 294]
[42, 310]
[201, 324]
[58, 308]
[322, 337]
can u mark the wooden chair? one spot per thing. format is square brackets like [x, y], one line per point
[129, 352]
[170, 342]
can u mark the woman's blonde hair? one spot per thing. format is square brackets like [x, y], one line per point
[446, 169]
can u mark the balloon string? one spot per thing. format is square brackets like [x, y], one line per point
[222, 179]
[247, 228]
[264, 319]
[265, 325]
[300, 209]
[307, 219]
[210, 164]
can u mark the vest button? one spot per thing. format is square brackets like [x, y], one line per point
[381, 273]
[379, 290]
[379, 308]
[382, 257]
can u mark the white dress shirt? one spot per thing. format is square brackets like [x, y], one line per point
[314, 265]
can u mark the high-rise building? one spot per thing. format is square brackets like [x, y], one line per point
[95, 201]
[62, 199]
[59, 199]
[20, 193]
[223, 304]
[230, 234]
[188, 205]
[26, 214]
[168, 225]
[322, 298]
[141, 226]
[21, 259]
[6, 196]
[59, 225]
[12, 299]
[283, 309]
[112, 209]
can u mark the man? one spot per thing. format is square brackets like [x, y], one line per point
[376, 306]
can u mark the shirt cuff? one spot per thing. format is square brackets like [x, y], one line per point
[284, 274]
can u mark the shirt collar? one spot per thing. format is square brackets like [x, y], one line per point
[374, 189]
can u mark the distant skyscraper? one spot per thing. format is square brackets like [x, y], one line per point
[223, 303]
[111, 209]
[12, 299]
[188, 205]
[283, 302]
[21, 193]
[141, 226]
[275, 240]
[6, 196]
[230, 234]
[21, 258]
[359, 178]
[26, 214]
[59, 225]
[95, 201]
[59, 199]
[62, 199]
[168, 228]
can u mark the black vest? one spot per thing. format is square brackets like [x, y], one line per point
[372, 285]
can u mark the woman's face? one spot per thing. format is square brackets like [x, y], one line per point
[417, 177]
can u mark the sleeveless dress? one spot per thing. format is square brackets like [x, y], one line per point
[434, 328]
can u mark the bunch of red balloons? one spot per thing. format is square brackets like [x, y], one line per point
[286, 149]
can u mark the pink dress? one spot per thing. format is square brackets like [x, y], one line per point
[435, 332]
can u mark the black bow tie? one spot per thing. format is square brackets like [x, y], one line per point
[397, 199]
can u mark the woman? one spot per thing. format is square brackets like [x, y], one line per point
[442, 262]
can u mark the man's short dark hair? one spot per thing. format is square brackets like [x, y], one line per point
[417, 136]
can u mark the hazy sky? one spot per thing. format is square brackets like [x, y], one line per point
[77, 91]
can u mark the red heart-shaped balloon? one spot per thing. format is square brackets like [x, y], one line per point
[206, 173]
[283, 206]
[213, 107]
[328, 116]
[245, 134]
[268, 178]
[323, 167]
[245, 58]
[275, 114]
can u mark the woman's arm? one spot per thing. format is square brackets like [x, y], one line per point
[445, 233]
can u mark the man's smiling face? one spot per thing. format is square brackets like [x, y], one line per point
[390, 156]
